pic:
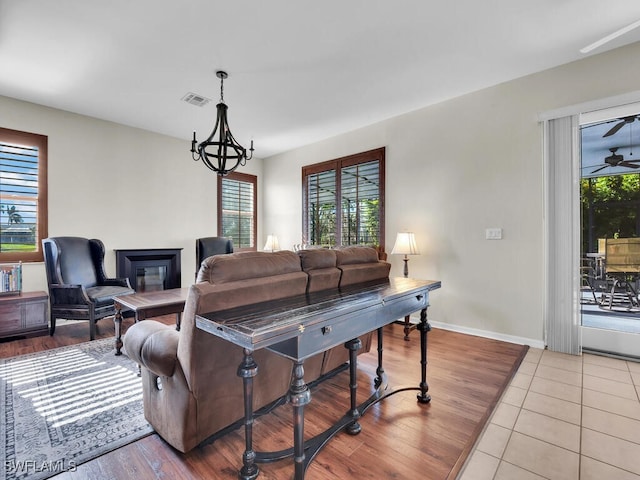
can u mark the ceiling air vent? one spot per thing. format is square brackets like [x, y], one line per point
[195, 99]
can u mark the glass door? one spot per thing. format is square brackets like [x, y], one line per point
[610, 211]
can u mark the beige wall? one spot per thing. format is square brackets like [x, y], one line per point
[128, 187]
[455, 169]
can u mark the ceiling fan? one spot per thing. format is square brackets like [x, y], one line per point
[623, 121]
[616, 160]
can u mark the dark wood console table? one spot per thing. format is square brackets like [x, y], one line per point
[300, 327]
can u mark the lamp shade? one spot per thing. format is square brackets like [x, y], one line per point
[272, 244]
[405, 244]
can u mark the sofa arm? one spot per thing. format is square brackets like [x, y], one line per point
[154, 346]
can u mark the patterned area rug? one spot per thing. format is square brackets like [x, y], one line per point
[66, 406]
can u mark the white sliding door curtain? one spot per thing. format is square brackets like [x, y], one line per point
[562, 235]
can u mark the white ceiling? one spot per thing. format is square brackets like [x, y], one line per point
[299, 71]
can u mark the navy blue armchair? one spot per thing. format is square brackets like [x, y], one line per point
[78, 286]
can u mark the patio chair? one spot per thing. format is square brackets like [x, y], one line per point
[587, 286]
[622, 269]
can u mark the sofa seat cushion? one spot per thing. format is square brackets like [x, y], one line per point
[323, 279]
[360, 264]
[364, 272]
[103, 295]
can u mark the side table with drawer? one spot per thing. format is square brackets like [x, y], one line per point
[26, 314]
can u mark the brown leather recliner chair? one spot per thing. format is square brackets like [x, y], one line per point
[78, 286]
[191, 388]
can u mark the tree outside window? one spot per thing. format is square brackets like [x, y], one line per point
[610, 208]
[343, 201]
[23, 195]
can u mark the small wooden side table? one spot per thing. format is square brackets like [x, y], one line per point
[149, 304]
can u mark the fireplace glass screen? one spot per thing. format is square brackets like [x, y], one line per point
[150, 279]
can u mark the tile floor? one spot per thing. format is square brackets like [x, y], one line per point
[563, 417]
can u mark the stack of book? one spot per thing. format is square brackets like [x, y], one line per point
[11, 278]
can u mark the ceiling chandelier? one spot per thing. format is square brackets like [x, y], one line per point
[220, 152]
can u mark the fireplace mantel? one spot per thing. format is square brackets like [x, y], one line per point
[150, 269]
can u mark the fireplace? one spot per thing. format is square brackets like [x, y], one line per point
[150, 269]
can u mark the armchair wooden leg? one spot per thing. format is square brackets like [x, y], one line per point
[52, 327]
[92, 324]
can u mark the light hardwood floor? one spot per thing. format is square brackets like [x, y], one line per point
[400, 438]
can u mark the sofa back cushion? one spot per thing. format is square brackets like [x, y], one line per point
[356, 254]
[316, 258]
[246, 265]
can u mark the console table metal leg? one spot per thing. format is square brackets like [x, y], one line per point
[353, 345]
[423, 327]
[299, 396]
[380, 375]
[247, 370]
[407, 327]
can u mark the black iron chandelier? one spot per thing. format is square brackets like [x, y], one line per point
[221, 152]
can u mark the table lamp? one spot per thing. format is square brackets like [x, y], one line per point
[405, 245]
[272, 243]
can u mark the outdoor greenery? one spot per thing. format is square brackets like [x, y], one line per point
[610, 207]
[322, 228]
[360, 223]
[16, 247]
[20, 239]
[11, 213]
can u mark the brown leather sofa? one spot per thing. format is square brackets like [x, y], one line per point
[190, 385]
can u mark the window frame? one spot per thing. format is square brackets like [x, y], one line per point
[338, 164]
[246, 178]
[41, 141]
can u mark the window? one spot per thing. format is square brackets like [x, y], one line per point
[237, 209]
[23, 195]
[344, 201]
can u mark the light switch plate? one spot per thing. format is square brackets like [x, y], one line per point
[493, 233]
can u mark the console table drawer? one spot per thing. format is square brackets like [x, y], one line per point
[325, 335]
[407, 305]
[320, 338]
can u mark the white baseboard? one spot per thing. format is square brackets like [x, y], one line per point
[487, 334]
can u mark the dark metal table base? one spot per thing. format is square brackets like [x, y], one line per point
[299, 395]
